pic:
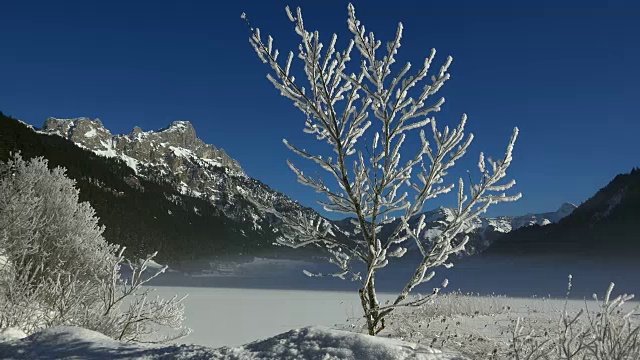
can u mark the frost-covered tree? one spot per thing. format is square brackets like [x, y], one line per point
[56, 268]
[372, 183]
[45, 224]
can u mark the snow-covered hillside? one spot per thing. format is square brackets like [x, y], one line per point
[176, 155]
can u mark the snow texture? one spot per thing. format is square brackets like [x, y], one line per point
[8, 334]
[305, 343]
[91, 133]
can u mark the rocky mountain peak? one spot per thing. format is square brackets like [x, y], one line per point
[566, 209]
[170, 146]
[176, 155]
[64, 126]
[182, 134]
[180, 126]
[89, 133]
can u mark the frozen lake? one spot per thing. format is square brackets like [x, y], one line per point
[234, 303]
[233, 317]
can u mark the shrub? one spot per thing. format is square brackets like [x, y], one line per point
[609, 333]
[57, 269]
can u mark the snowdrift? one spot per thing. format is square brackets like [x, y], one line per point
[66, 342]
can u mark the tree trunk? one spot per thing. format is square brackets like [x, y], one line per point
[370, 306]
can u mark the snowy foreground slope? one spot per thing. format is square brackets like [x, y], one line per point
[305, 343]
[262, 318]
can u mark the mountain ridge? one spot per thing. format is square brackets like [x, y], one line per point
[605, 224]
[176, 150]
[180, 134]
[174, 155]
[138, 213]
[482, 231]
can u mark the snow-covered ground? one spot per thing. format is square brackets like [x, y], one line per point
[237, 302]
[232, 317]
[252, 308]
[310, 343]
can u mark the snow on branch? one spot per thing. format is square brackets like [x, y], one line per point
[373, 181]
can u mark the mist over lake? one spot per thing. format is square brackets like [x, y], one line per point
[524, 276]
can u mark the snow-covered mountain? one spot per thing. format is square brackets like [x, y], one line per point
[488, 229]
[176, 155]
[164, 149]
[482, 231]
[505, 224]
[604, 225]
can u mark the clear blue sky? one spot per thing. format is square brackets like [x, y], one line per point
[566, 73]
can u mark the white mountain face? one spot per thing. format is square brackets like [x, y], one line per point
[487, 229]
[176, 155]
[139, 149]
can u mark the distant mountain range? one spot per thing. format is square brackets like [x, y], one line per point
[482, 231]
[167, 181]
[607, 224]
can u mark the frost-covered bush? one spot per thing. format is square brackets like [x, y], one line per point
[444, 322]
[370, 182]
[486, 327]
[608, 333]
[43, 223]
[56, 268]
